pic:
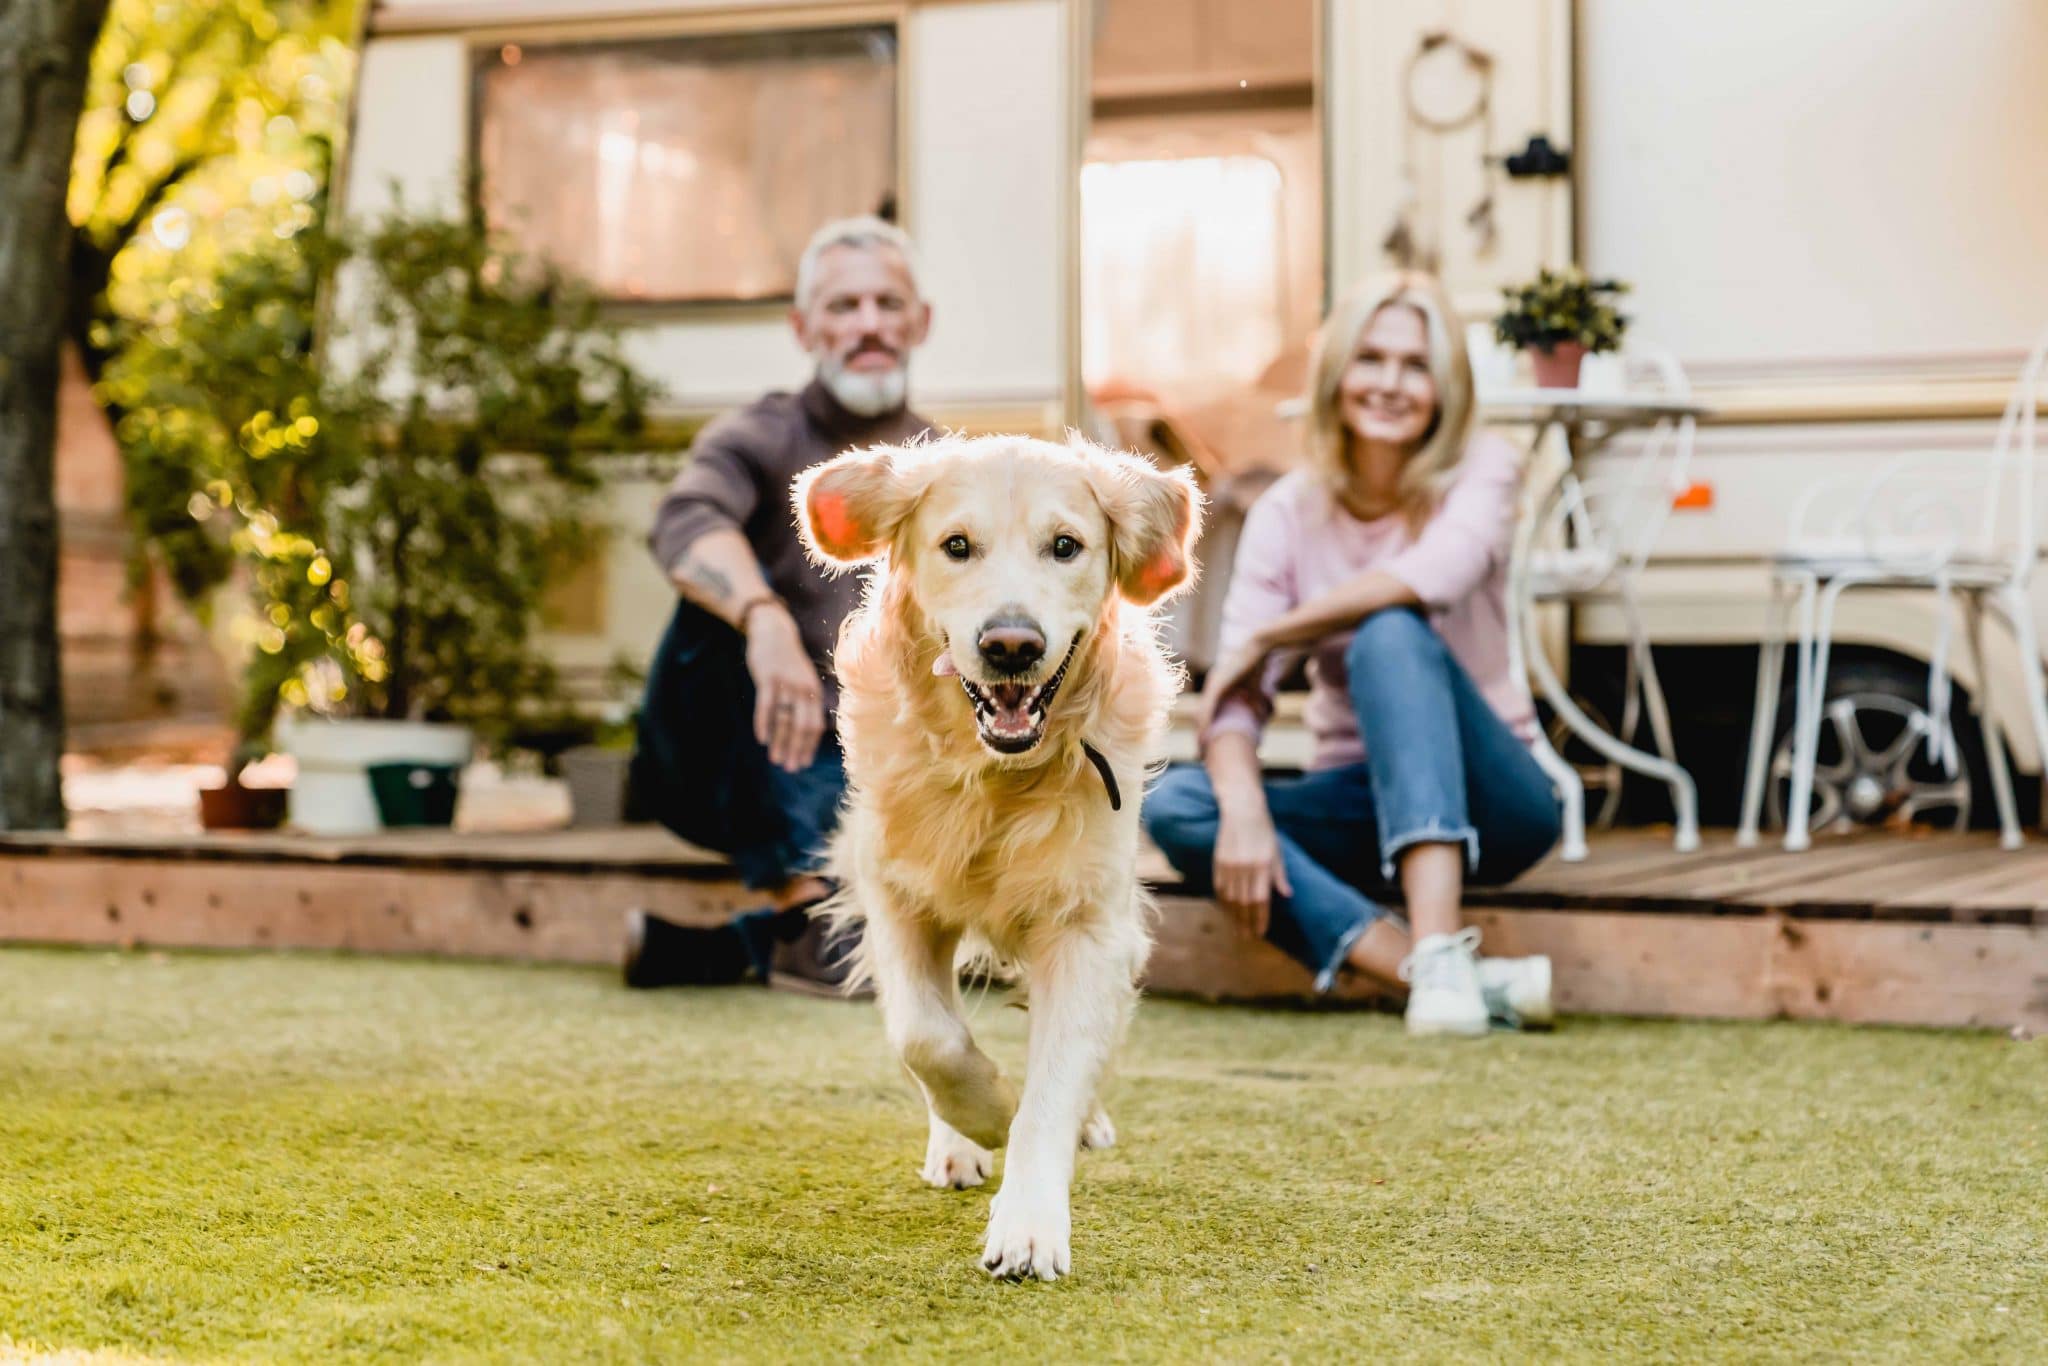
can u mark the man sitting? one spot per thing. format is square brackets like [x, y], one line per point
[737, 749]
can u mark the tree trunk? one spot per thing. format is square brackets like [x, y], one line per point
[45, 46]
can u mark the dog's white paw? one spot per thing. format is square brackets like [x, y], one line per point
[1028, 1235]
[1098, 1133]
[953, 1161]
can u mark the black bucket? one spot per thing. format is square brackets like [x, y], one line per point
[415, 794]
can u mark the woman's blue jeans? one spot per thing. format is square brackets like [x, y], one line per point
[1440, 767]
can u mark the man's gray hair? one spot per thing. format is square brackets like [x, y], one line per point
[864, 231]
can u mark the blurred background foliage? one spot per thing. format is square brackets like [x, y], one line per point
[377, 515]
[210, 125]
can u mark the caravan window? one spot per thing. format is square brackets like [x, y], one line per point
[688, 168]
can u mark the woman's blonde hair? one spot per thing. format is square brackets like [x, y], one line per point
[1429, 470]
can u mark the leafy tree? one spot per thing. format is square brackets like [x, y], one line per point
[209, 125]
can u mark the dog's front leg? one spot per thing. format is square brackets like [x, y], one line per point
[1082, 987]
[918, 988]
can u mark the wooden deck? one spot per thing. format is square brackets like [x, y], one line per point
[1879, 876]
[1882, 927]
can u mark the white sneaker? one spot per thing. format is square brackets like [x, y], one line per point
[1444, 996]
[1517, 991]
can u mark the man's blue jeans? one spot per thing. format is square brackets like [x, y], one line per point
[1440, 767]
[700, 771]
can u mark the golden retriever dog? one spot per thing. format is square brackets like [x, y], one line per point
[1002, 695]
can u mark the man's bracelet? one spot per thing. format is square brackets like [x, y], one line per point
[746, 609]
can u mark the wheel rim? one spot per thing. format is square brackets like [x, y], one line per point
[1873, 765]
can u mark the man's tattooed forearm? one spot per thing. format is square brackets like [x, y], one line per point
[711, 580]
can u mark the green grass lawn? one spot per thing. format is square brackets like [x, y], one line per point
[326, 1159]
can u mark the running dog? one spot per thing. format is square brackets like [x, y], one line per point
[1003, 693]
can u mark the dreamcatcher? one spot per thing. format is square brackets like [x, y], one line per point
[1446, 87]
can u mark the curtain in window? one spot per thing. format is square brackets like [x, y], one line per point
[687, 168]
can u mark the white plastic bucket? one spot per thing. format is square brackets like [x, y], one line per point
[331, 794]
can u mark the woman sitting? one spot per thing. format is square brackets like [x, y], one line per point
[1385, 562]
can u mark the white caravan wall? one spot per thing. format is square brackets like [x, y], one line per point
[987, 149]
[1820, 189]
[411, 125]
[991, 191]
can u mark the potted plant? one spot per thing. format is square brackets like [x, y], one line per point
[391, 508]
[597, 772]
[1558, 319]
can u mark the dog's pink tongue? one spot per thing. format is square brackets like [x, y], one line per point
[944, 667]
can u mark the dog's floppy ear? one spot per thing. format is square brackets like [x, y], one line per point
[849, 507]
[1153, 515]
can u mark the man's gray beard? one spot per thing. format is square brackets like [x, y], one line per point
[863, 393]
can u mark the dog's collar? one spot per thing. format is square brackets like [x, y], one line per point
[1116, 797]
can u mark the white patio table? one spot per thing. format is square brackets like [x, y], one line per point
[1586, 421]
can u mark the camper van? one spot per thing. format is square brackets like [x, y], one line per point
[1131, 213]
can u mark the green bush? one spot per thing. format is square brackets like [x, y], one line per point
[1562, 306]
[394, 501]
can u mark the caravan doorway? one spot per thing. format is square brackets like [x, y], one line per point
[1202, 252]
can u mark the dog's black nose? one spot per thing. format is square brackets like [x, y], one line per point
[1011, 644]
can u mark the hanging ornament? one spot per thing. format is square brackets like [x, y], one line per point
[1485, 234]
[1446, 88]
[1399, 243]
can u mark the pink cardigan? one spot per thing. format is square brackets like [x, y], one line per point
[1298, 543]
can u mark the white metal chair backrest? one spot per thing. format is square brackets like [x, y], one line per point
[2011, 485]
[1912, 515]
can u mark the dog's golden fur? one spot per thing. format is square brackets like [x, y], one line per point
[946, 841]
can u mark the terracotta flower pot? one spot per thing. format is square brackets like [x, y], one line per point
[234, 807]
[1557, 367]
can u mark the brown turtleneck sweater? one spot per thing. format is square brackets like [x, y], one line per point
[739, 473]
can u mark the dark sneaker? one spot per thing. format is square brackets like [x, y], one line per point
[661, 953]
[817, 961]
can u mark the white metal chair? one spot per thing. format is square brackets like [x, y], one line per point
[1588, 541]
[1909, 527]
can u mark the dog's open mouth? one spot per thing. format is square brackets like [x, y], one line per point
[1011, 716]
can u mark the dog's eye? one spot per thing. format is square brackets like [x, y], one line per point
[1065, 547]
[958, 548]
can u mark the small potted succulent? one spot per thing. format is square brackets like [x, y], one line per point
[1558, 318]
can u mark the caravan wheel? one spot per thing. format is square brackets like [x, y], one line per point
[1874, 765]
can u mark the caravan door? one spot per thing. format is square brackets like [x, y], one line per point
[1424, 104]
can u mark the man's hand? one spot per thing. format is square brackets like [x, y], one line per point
[789, 702]
[1248, 866]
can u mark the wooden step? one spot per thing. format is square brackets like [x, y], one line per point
[1877, 928]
